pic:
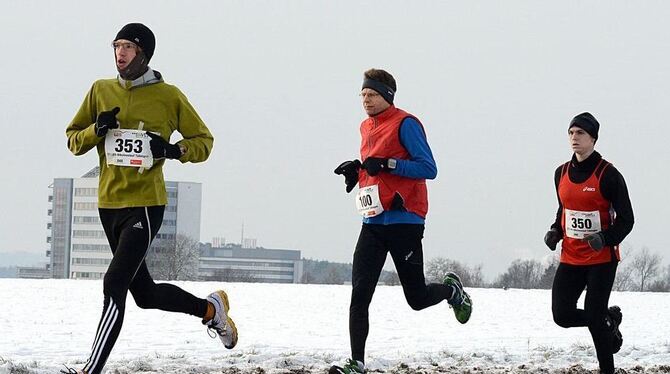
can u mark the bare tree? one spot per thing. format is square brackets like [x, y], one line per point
[307, 278]
[436, 268]
[521, 274]
[662, 284]
[391, 278]
[175, 259]
[546, 281]
[645, 266]
[333, 276]
[624, 273]
[624, 277]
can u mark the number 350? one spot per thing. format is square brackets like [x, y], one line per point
[581, 223]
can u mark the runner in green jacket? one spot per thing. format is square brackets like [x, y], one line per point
[132, 199]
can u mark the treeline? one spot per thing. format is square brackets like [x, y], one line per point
[641, 270]
[638, 271]
[325, 272]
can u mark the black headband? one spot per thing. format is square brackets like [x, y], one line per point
[387, 92]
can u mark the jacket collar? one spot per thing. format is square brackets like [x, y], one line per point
[150, 77]
[386, 114]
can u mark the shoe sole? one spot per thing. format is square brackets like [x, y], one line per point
[224, 298]
[455, 278]
[229, 321]
[467, 296]
[615, 313]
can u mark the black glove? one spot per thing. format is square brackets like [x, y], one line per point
[551, 238]
[106, 120]
[350, 171]
[160, 148]
[596, 241]
[374, 165]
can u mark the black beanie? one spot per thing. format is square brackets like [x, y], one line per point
[587, 122]
[387, 92]
[140, 35]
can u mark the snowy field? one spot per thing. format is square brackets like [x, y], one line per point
[303, 329]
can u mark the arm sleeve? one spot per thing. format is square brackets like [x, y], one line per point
[614, 189]
[421, 164]
[197, 138]
[80, 132]
[559, 213]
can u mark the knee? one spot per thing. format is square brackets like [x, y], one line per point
[561, 317]
[360, 299]
[112, 284]
[144, 300]
[415, 303]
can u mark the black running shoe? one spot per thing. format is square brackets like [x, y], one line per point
[614, 318]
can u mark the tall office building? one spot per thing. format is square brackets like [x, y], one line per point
[78, 245]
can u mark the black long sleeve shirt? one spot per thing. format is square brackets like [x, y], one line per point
[613, 188]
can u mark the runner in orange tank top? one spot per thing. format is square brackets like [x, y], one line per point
[594, 215]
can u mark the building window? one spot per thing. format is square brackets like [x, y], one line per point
[86, 275]
[88, 234]
[90, 248]
[86, 192]
[90, 261]
[255, 264]
[86, 220]
[85, 206]
[165, 236]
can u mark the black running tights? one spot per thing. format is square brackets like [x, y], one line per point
[403, 241]
[130, 232]
[569, 283]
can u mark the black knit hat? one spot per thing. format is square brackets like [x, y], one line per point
[140, 35]
[587, 122]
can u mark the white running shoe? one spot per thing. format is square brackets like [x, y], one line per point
[222, 324]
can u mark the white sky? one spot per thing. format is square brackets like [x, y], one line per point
[495, 84]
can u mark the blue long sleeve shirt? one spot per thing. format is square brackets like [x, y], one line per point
[421, 165]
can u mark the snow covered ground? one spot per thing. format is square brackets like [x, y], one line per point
[303, 328]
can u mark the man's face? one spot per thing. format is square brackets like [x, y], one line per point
[580, 141]
[124, 51]
[373, 102]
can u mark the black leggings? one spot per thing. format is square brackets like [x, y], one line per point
[130, 232]
[374, 242]
[569, 283]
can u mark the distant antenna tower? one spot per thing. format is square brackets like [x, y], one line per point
[242, 237]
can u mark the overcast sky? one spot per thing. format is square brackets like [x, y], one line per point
[494, 83]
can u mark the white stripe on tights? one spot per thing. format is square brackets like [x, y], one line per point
[113, 313]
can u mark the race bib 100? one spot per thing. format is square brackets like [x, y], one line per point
[367, 201]
[579, 224]
[124, 147]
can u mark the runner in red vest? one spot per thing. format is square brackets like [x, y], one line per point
[393, 201]
[594, 215]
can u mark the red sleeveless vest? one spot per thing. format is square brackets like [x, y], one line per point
[584, 197]
[380, 137]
